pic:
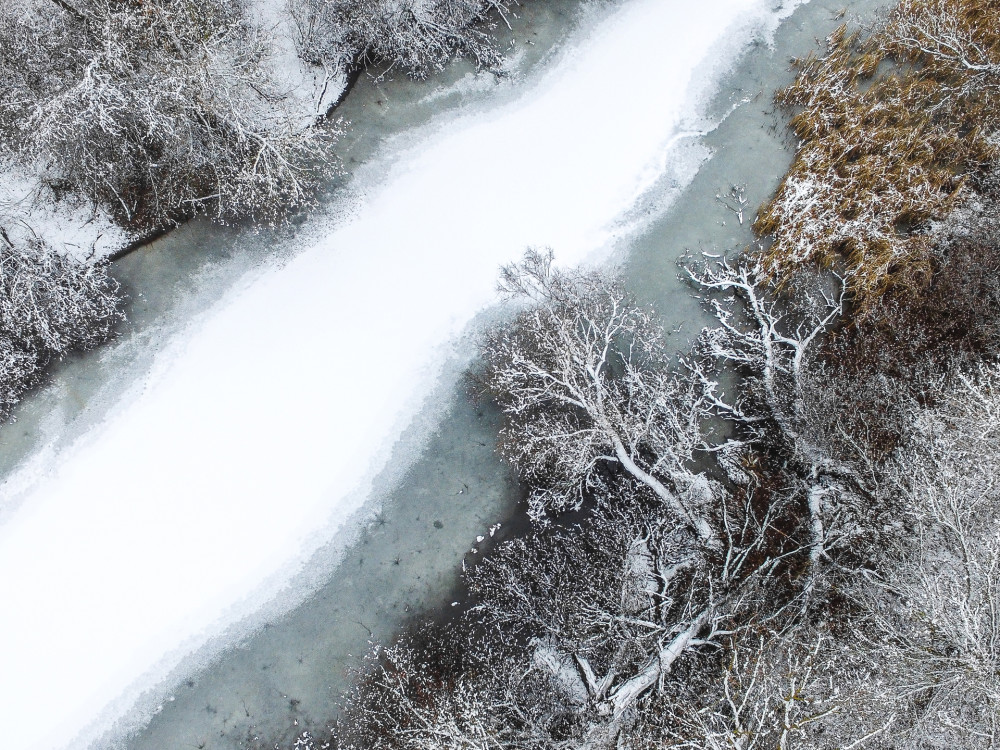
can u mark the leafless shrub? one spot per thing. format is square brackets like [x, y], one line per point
[799, 689]
[430, 691]
[49, 305]
[151, 110]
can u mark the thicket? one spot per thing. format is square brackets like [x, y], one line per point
[410, 36]
[151, 111]
[49, 305]
[894, 127]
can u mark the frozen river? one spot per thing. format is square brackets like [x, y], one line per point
[207, 492]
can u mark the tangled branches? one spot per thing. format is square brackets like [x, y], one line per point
[410, 36]
[152, 111]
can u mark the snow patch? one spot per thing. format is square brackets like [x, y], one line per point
[309, 90]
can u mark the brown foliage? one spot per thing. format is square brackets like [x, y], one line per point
[890, 128]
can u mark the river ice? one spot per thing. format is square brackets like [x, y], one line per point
[255, 434]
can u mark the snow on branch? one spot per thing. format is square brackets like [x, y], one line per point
[414, 38]
[582, 376]
[50, 305]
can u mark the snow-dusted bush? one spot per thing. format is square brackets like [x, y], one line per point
[413, 36]
[153, 110]
[49, 305]
[927, 614]
[429, 691]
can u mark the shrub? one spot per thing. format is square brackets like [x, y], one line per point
[891, 128]
[413, 36]
[49, 305]
[151, 110]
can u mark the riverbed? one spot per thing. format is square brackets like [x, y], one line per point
[277, 461]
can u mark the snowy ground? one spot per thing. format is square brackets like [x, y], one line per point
[28, 209]
[256, 432]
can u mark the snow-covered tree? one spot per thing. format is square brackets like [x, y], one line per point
[151, 110]
[582, 377]
[785, 403]
[49, 305]
[594, 409]
[934, 608]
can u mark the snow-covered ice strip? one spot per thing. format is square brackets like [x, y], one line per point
[154, 531]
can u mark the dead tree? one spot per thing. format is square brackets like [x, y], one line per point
[582, 378]
[771, 340]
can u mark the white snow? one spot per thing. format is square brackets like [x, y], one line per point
[262, 423]
[70, 225]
